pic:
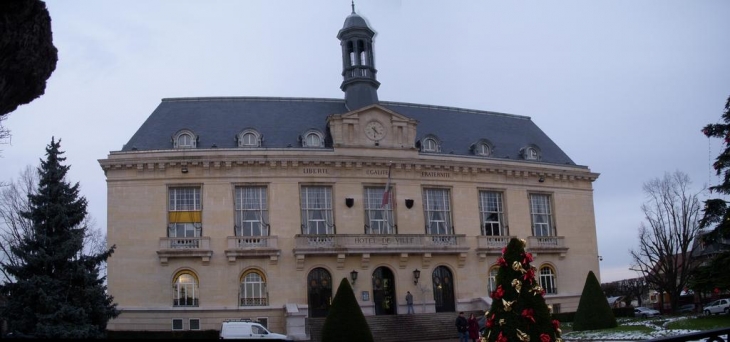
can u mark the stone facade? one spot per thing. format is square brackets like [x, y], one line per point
[188, 256]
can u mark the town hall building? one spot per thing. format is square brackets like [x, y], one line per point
[257, 207]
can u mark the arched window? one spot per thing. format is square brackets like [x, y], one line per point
[253, 289]
[185, 289]
[249, 138]
[184, 139]
[482, 148]
[531, 152]
[547, 280]
[312, 139]
[430, 144]
[492, 281]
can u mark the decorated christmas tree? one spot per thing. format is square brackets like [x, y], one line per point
[518, 311]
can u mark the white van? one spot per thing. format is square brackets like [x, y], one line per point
[247, 330]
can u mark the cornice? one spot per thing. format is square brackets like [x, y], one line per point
[458, 165]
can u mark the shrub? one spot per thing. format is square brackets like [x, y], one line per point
[593, 310]
[345, 320]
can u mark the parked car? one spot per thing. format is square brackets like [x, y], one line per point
[248, 330]
[645, 312]
[687, 308]
[717, 307]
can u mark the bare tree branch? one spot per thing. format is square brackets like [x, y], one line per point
[671, 212]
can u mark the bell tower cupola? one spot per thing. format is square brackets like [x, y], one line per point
[358, 62]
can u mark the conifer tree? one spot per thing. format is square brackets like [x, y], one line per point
[717, 211]
[345, 320]
[519, 311]
[593, 310]
[56, 290]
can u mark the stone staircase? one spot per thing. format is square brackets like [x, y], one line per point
[402, 328]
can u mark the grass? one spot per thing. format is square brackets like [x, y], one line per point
[701, 323]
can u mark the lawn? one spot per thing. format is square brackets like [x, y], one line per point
[638, 329]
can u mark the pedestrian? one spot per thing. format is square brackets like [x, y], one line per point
[462, 327]
[473, 328]
[409, 302]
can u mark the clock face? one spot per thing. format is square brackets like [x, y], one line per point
[374, 130]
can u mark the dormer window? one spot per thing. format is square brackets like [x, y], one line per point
[530, 153]
[482, 148]
[312, 139]
[430, 144]
[184, 139]
[249, 138]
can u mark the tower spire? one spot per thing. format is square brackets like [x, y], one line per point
[358, 63]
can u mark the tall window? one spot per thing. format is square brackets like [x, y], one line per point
[492, 213]
[437, 209]
[185, 289]
[547, 280]
[541, 215]
[184, 212]
[252, 214]
[379, 217]
[316, 204]
[429, 145]
[253, 289]
[492, 281]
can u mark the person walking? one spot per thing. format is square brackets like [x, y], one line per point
[473, 328]
[462, 327]
[409, 302]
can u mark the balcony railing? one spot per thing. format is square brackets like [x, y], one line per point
[491, 245]
[547, 244]
[184, 247]
[380, 244]
[253, 301]
[252, 247]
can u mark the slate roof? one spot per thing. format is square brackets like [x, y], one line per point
[217, 121]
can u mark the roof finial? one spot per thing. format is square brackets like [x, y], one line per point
[353, 6]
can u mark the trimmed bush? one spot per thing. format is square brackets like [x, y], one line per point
[345, 320]
[593, 310]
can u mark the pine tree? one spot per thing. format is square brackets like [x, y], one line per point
[57, 290]
[345, 320]
[593, 310]
[519, 311]
[716, 211]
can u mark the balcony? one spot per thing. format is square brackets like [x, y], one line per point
[547, 244]
[252, 247]
[185, 247]
[491, 245]
[341, 245]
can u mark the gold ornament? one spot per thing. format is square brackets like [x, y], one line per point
[537, 289]
[517, 266]
[550, 308]
[522, 336]
[501, 322]
[507, 305]
[558, 339]
[517, 284]
[524, 243]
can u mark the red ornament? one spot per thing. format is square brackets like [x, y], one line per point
[544, 338]
[502, 262]
[527, 258]
[529, 275]
[556, 324]
[529, 314]
[501, 338]
[498, 293]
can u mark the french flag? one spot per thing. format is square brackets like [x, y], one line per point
[386, 194]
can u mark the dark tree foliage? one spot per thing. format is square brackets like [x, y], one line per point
[27, 55]
[57, 291]
[716, 211]
[519, 311]
[593, 310]
[345, 320]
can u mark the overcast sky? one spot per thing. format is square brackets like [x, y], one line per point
[623, 87]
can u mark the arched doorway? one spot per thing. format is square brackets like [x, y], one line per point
[384, 291]
[319, 292]
[443, 289]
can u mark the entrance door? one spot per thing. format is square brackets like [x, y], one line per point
[384, 291]
[443, 289]
[319, 292]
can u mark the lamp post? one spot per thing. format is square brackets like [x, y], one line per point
[353, 276]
